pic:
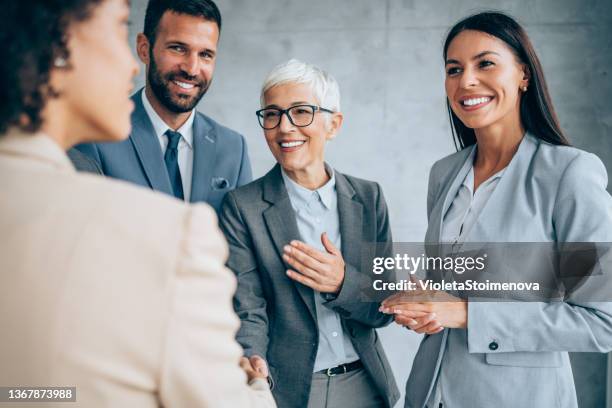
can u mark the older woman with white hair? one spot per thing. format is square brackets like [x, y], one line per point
[296, 240]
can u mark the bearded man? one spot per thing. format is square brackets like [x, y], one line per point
[172, 147]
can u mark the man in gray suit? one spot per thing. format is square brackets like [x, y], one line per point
[173, 148]
[297, 239]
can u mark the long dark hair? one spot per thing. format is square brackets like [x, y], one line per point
[536, 109]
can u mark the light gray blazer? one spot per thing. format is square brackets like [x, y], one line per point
[547, 194]
[279, 320]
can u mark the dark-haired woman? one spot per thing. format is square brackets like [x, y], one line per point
[515, 179]
[117, 292]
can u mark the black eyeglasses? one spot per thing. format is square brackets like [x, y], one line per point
[299, 115]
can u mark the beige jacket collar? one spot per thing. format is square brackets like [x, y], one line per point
[35, 146]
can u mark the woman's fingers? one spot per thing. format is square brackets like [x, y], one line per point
[416, 323]
[432, 327]
[407, 307]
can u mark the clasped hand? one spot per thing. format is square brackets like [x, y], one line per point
[321, 271]
[254, 367]
[426, 311]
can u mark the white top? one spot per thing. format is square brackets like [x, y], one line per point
[185, 146]
[456, 225]
[466, 207]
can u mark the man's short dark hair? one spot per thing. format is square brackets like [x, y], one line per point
[206, 9]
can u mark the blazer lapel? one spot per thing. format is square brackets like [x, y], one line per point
[282, 226]
[350, 213]
[491, 221]
[147, 147]
[458, 172]
[204, 154]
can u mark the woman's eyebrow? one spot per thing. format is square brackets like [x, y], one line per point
[475, 57]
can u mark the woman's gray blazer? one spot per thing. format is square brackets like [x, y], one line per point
[514, 354]
[277, 314]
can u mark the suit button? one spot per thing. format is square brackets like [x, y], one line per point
[493, 346]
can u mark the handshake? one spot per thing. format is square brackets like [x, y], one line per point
[254, 367]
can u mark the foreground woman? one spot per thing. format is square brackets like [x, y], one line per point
[516, 179]
[113, 290]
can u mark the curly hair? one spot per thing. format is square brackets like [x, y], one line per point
[34, 34]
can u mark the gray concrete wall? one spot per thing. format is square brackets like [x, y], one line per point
[386, 55]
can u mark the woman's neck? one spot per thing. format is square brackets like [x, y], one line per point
[497, 144]
[56, 125]
[312, 177]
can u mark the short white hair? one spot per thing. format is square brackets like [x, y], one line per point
[324, 87]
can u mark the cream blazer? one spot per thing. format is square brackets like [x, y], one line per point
[114, 289]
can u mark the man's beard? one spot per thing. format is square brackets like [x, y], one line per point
[160, 85]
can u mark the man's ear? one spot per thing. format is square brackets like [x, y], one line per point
[335, 123]
[142, 48]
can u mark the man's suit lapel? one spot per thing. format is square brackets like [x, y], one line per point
[282, 226]
[204, 154]
[147, 147]
[350, 213]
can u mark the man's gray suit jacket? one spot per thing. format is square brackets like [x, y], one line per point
[515, 354]
[220, 158]
[83, 162]
[278, 315]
